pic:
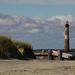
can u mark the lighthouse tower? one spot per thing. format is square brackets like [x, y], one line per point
[66, 37]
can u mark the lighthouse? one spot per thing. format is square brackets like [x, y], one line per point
[66, 37]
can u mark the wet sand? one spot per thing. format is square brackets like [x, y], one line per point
[36, 67]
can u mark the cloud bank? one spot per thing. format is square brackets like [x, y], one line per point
[32, 25]
[39, 1]
[43, 33]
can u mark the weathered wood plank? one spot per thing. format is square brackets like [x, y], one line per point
[56, 53]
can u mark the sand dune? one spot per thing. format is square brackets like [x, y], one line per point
[36, 67]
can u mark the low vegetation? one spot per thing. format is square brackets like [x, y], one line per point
[25, 49]
[10, 49]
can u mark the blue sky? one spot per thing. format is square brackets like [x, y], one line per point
[42, 8]
[40, 22]
[33, 10]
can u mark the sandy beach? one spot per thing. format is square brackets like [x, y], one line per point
[36, 67]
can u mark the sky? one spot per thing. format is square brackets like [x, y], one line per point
[40, 22]
[42, 8]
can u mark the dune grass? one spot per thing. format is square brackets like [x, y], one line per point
[9, 48]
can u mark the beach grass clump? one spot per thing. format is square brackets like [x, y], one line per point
[8, 49]
[25, 48]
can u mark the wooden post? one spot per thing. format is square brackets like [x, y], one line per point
[42, 51]
[59, 55]
[50, 56]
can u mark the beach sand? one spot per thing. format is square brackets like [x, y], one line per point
[36, 67]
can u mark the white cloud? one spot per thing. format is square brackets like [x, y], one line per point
[7, 22]
[32, 25]
[33, 31]
[28, 25]
[61, 20]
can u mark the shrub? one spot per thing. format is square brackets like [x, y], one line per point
[27, 49]
[8, 49]
[28, 52]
